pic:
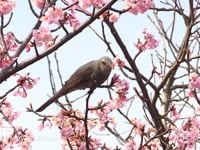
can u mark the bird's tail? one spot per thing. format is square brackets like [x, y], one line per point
[47, 103]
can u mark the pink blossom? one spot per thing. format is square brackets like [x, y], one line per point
[131, 145]
[10, 41]
[6, 61]
[43, 37]
[89, 3]
[28, 47]
[8, 111]
[24, 83]
[139, 126]
[6, 7]
[140, 46]
[40, 126]
[138, 6]
[95, 143]
[24, 138]
[175, 114]
[40, 3]
[20, 92]
[119, 102]
[187, 136]
[190, 93]
[10, 114]
[114, 17]
[194, 82]
[118, 61]
[67, 132]
[149, 42]
[197, 110]
[72, 19]
[13, 116]
[53, 15]
[121, 86]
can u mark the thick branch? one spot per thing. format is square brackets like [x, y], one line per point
[152, 110]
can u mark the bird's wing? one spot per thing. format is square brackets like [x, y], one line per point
[47, 103]
[81, 78]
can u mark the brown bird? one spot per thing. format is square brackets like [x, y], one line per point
[89, 75]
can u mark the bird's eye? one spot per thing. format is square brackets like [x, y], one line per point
[103, 63]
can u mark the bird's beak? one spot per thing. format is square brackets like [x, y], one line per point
[112, 66]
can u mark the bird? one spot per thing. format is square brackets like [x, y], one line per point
[90, 75]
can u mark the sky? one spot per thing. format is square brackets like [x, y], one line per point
[84, 47]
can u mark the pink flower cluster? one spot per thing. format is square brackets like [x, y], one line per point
[187, 136]
[10, 41]
[121, 85]
[114, 17]
[24, 83]
[7, 110]
[175, 114]
[40, 3]
[6, 7]
[194, 84]
[139, 6]
[43, 37]
[118, 61]
[6, 60]
[149, 42]
[102, 113]
[53, 15]
[103, 110]
[72, 131]
[14, 135]
[141, 129]
[45, 123]
[23, 139]
[89, 3]
[10, 45]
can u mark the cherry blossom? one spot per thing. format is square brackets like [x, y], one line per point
[114, 17]
[24, 138]
[194, 82]
[40, 3]
[131, 145]
[6, 60]
[149, 42]
[10, 44]
[118, 61]
[53, 15]
[89, 3]
[72, 19]
[139, 6]
[121, 85]
[175, 114]
[187, 136]
[15, 136]
[7, 110]
[43, 37]
[10, 41]
[24, 83]
[6, 7]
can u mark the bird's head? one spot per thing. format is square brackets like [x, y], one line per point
[105, 64]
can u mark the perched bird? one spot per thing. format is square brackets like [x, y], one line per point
[89, 75]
